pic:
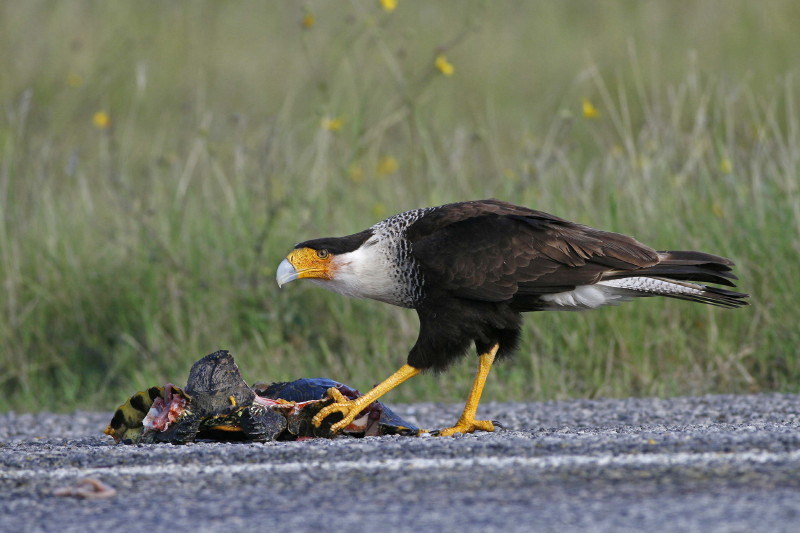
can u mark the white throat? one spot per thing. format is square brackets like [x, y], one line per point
[371, 271]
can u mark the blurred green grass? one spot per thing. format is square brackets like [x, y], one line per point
[158, 160]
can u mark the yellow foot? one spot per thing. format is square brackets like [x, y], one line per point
[348, 408]
[465, 426]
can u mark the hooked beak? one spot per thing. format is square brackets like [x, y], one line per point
[286, 273]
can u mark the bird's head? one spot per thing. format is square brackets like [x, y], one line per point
[325, 260]
[306, 262]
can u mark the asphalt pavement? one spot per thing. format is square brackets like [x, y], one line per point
[712, 463]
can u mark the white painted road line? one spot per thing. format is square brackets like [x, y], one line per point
[684, 459]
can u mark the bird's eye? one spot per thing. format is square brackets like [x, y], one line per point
[322, 254]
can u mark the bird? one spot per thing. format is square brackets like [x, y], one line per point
[471, 269]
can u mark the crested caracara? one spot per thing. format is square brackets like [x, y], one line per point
[470, 269]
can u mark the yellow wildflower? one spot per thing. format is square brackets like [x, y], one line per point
[717, 210]
[725, 165]
[74, 80]
[444, 66]
[331, 124]
[355, 173]
[389, 5]
[387, 165]
[101, 120]
[308, 20]
[589, 110]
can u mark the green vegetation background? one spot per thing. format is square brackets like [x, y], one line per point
[159, 159]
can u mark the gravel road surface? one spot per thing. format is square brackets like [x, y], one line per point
[713, 463]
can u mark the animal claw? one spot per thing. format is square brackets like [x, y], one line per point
[349, 409]
[465, 426]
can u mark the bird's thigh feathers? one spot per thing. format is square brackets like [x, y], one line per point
[449, 330]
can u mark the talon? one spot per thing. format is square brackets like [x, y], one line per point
[348, 408]
[337, 396]
[351, 408]
[466, 422]
[466, 426]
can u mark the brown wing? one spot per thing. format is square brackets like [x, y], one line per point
[492, 251]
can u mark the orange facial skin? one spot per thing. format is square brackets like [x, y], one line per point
[311, 263]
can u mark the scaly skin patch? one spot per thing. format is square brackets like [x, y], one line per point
[311, 263]
[351, 408]
[127, 420]
[466, 422]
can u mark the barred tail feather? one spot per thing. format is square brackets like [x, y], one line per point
[643, 286]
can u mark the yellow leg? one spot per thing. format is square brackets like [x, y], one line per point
[351, 408]
[466, 422]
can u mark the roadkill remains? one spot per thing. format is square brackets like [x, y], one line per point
[217, 404]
